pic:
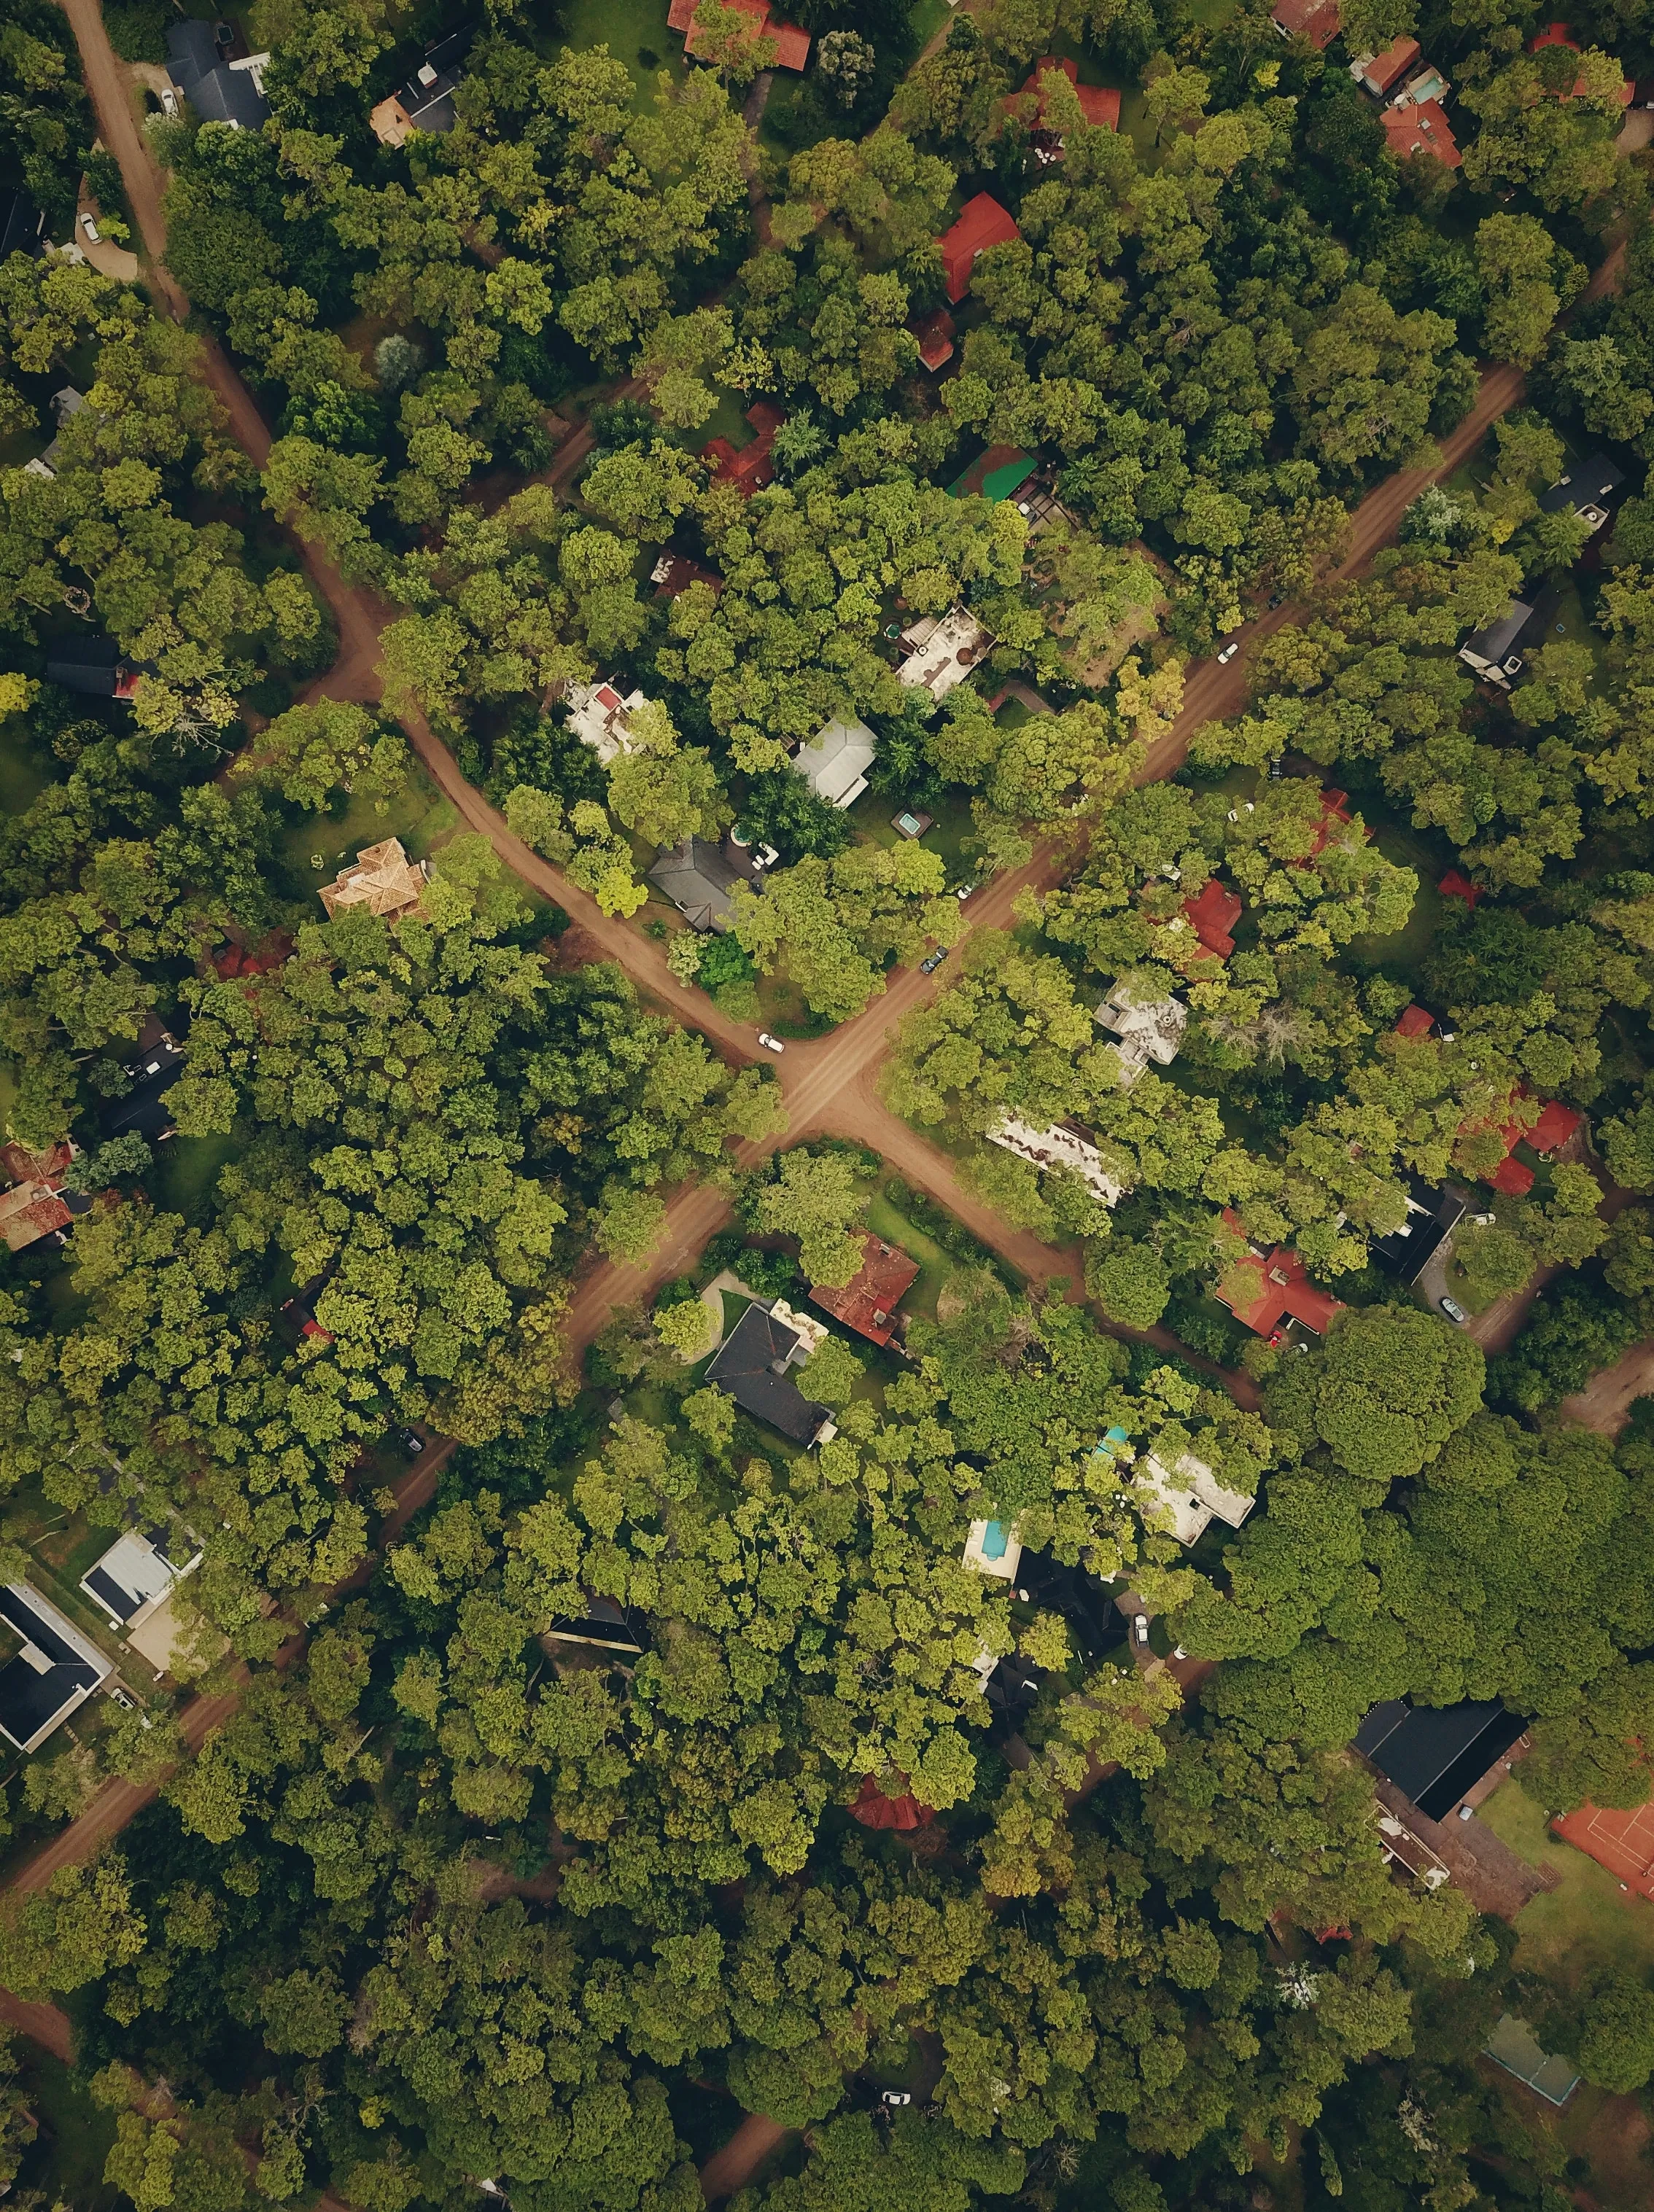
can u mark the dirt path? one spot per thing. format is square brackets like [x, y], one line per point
[734, 2163]
[1604, 1404]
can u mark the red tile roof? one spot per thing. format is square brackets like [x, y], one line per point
[792, 45]
[1213, 914]
[1454, 886]
[1098, 104]
[1262, 1292]
[1559, 34]
[934, 332]
[1422, 130]
[868, 1301]
[1334, 816]
[1554, 1128]
[1415, 1022]
[1381, 71]
[1317, 20]
[1511, 1177]
[875, 1810]
[982, 222]
[751, 468]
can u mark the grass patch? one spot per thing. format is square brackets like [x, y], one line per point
[1402, 952]
[186, 1168]
[1588, 1921]
[870, 819]
[75, 2136]
[632, 30]
[935, 1268]
[312, 852]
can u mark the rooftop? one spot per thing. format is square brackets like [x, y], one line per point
[1060, 1147]
[792, 45]
[1422, 128]
[1435, 1754]
[1212, 914]
[934, 332]
[748, 467]
[600, 718]
[982, 222]
[33, 1207]
[1378, 72]
[56, 1670]
[1433, 1211]
[1190, 1494]
[868, 1301]
[1317, 20]
[834, 762]
[1266, 1289]
[1151, 1031]
[752, 1364]
[382, 878]
[137, 1573]
[994, 474]
[942, 650]
[220, 90]
[698, 880]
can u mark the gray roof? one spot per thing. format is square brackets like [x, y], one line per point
[1588, 483]
[751, 1365]
[217, 92]
[1492, 644]
[697, 879]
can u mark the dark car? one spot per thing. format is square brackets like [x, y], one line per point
[409, 1443]
[933, 960]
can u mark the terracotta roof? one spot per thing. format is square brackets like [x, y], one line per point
[1098, 104]
[873, 1809]
[934, 332]
[982, 222]
[1454, 886]
[382, 878]
[1213, 914]
[750, 467]
[1422, 130]
[1334, 816]
[1269, 1289]
[1381, 71]
[1511, 1177]
[28, 1211]
[1415, 1022]
[1554, 1128]
[868, 1301]
[791, 45]
[1560, 34]
[1316, 20]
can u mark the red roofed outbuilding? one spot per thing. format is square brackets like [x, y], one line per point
[873, 1809]
[1415, 1022]
[1554, 1128]
[1511, 1178]
[934, 332]
[748, 467]
[1212, 914]
[983, 223]
[1454, 886]
[1317, 20]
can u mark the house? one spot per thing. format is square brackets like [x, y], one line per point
[941, 650]
[1151, 1031]
[143, 1112]
[875, 1809]
[1099, 106]
[426, 101]
[1079, 1596]
[604, 1625]
[90, 665]
[934, 334]
[834, 762]
[1558, 35]
[698, 880]
[137, 1574]
[1401, 1848]
[219, 90]
[1268, 1292]
[1190, 1495]
[982, 222]
[66, 403]
[868, 1301]
[1330, 825]
[1377, 73]
[22, 225]
[1422, 127]
[752, 466]
[36, 1205]
[994, 475]
[993, 1547]
[382, 878]
[54, 1670]
[600, 718]
[1060, 1147]
[1555, 1125]
[1454, 885]
[1415, 1022]
[1491, 652]
[1435, 1754]
[752, 1363]
[1212, 914]
[1433, 1213]
[792, 45]
[1584, 491]
[672, 574]
[1317, 20]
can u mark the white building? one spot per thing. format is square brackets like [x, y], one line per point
[1188, 1495]
[600, 718]
[137, 1574]
[1153, 1031]
[1060, 1147]
[942, 650]
[834, 762]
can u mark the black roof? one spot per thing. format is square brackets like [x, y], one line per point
[121, 1602]
[217, 92]
[1434, 1753]
[32, 1703]
[1079, 1597]
[611, 1627]
[1588, 483]
[697, 879]
[84, 661]
[1435, 1210]
[751, 1364]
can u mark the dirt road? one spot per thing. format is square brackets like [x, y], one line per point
[733, 2163]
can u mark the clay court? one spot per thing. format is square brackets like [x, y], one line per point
[1623, 1842]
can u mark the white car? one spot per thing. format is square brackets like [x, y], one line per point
[1455, 1311]
[1229, 652]
[898, 2097]
[770, 1043]
[168, 99]
[90, 229]
[1140, 1628]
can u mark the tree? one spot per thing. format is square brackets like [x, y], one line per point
[845, 62]
[815, 1198]
[1616, 2034]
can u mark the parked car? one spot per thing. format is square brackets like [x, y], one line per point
[1455, 1311]
[1278, 600]
[897, 2097]
[933, 960]
[168, 99]
[963, 892]
[408, 1442]
[1140, 1628]
[770, 1043]
[127, 1704]
[1229, 652]
[90, 229]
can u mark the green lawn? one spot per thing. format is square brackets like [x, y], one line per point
[186, 1168]
[1589, 1920]
[312, 852]
[870, 819]
[75, 2136]
[632, 30]
[935, 1268]
[1400, 953]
